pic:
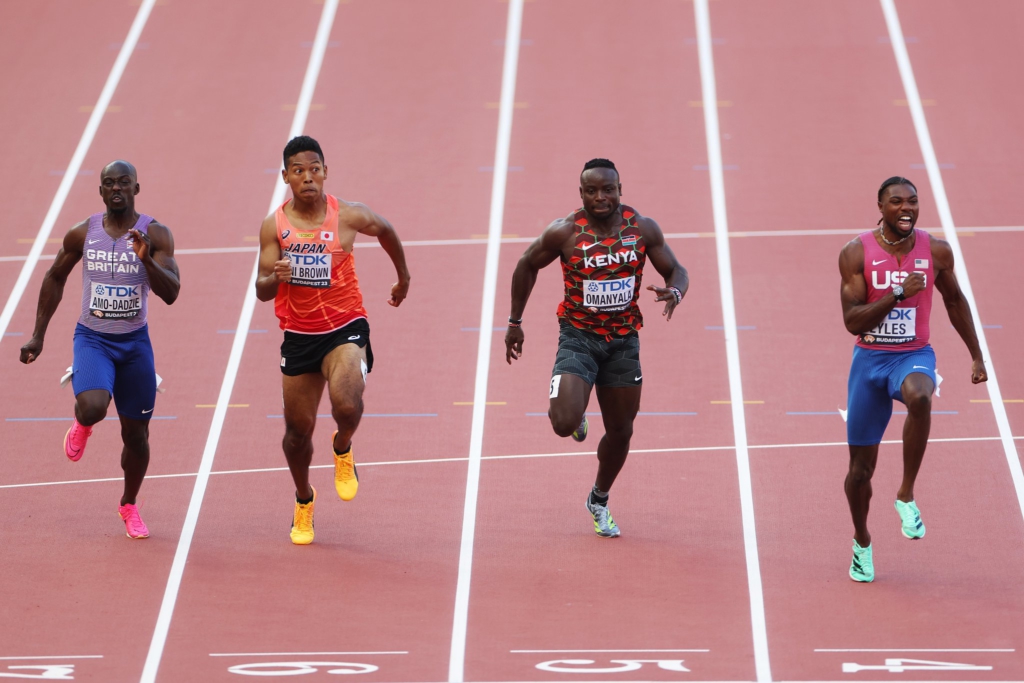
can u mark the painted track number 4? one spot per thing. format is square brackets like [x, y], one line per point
[898, 666]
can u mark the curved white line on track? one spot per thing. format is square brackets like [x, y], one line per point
[732, 351]
[513, 29]
[931, 163]
[163, 623]
[71, 172]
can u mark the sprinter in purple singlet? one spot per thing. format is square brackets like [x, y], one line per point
[126, 254]
[888, 278]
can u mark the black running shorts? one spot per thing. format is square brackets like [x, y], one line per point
[303, 353]
[614, 363]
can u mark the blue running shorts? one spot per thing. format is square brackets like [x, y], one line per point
[876, 377]
[121, 364]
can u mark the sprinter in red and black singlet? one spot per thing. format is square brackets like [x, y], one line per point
[603, 248]
[126, 256]
[888, 278]
[308, 268]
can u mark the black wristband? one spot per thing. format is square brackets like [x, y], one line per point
[513, 322]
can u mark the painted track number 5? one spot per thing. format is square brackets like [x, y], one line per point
[586, 666]
[300, 668]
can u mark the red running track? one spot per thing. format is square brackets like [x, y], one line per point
[406, 109]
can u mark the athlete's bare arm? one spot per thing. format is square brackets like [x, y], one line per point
[52, 290]
[360, 218]
[156, 251]
[552, 243]
[664, 261]
[274, 267]
[861, 317]
[956, 306]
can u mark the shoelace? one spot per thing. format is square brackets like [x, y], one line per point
[603, 516]
[304, 516]
[133, 519]
[344, 467]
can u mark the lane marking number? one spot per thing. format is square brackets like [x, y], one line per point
[898, 666]
[300, 668]
[570, 666]
[48, 672]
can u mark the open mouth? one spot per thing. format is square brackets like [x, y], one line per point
[905, 221]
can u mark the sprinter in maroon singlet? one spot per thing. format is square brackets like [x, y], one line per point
[603, 248]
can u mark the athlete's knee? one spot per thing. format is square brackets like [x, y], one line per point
[918, 402]
[860, 473]
[347, 409]
[298, 432]
[135, 437]
[620, 434]
[89, 411]
[563, 422]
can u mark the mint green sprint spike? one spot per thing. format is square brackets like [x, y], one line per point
[862, 568]
[913, 527]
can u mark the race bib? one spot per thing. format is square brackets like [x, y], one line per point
[311, 270]
[609, 295]
[115, 301]
[899, 327]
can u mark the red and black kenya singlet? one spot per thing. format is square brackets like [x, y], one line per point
[602, 279]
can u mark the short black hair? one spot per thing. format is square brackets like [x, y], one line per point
[302, 143]
[598, 163]
[895, 180]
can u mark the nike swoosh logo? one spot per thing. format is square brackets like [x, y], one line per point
[588, 246]
[355, 336]
[637, 379]
[923, 367]
[93, 241]
[875, 263]
[147, 411]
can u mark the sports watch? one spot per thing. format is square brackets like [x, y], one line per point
[897, 292]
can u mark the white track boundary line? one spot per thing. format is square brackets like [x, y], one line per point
[71, 172]
[460, 620]
[521, 456]
[732, 351]
[163, 623]
[931, 163]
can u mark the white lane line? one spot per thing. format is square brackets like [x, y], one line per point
[524, 456]
[141, 17]
[960, 649]
[594, 651]
[305, 654]
[163, 623]
[707, 79]
[19, 659]
[527, 240]
[931, 162]
[460, 620]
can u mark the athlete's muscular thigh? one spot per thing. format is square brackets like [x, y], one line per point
[343, 370]
[619, 406]
[301, 398]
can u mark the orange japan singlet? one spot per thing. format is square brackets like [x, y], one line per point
[323, 295]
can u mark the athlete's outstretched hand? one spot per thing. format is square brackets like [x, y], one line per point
[978, 373]
[399, 291]
[668, 295]
[513, 344]
[31, 351]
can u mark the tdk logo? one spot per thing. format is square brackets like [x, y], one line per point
[609, 286]
[309, 259]
[116, 290]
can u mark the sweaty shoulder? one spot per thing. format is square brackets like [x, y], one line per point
[559, 232]
[649, 229]
[74, 239]
[942, 253]
[851, 258]
[354, 214]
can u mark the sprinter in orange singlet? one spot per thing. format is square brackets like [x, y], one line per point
[307, 267]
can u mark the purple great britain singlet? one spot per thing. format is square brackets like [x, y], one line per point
[115, 285]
